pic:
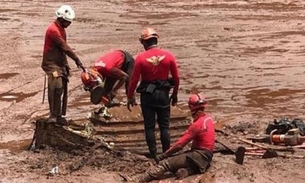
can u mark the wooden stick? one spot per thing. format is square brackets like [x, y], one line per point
[254, 154]
[279, 155]
[267, 148]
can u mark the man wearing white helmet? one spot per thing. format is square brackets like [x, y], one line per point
[55, 63]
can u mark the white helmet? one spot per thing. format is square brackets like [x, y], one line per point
[66, 12]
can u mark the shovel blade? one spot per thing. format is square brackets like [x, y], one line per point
[240, 154]
[269, 154]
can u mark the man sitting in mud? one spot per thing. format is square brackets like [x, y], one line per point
[197, 160]
[101, 78]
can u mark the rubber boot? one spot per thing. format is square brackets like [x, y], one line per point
[137, 178]
[62, 121]
[155, 172]
[51, 99]
[149, 175]
[145, 177]
[52, 119]
[184, 172]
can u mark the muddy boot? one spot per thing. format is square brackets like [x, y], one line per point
[62, 121]
[152, 152]
[51, 119]
[142, 178]
[184, 172]
[154, 173]
[137, 178]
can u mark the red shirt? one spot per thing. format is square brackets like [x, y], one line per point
[201, 132]
[56, 49]
[154, 64]
[55, 34]
[105, 63]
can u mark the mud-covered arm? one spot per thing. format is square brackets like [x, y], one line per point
[120, 75]
[60, 41]
[134, 78]
[187, 137]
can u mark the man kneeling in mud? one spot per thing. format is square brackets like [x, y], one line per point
[197, 160]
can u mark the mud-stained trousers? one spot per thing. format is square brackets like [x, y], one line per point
[194, 161]
[57, 104]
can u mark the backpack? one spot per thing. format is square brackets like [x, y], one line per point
[284, 125]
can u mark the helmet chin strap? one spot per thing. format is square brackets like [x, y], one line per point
[196, 111]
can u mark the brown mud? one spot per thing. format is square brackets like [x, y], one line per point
[246, 57]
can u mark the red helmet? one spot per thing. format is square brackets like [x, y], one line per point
[148, 33]
[197, 101]
[91, 78]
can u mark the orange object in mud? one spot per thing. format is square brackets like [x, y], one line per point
[292, 137]
[278, 138]
[105, 100]
[90, 77]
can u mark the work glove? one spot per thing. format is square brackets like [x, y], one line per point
[130, 102]
[160, 157]
[174, 99]
[79, 64]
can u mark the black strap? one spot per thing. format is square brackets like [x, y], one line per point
[128, 59]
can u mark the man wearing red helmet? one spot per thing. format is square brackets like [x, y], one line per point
[154, 66]
[109, 68]
[202, 134]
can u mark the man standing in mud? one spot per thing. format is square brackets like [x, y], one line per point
[197, 160]
[55, 63]
[100, 79]
[154, 66]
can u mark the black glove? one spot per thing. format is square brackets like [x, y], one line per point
[174, 99]
[79, 64]
[130, 102]
[160, 157]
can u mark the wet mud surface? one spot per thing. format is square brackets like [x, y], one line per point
[246, 57]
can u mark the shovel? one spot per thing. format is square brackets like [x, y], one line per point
[239, 153]
[274, 154]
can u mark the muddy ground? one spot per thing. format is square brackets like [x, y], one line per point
[246, 57]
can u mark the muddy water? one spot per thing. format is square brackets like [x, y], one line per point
[18, 97]
[16, 146]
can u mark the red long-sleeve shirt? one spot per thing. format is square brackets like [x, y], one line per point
[105, 63]
[154, 64]
[201, 132]
[56, 49]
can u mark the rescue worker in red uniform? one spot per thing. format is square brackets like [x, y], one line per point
[55, 65]
[196, 160]
[114, 66]
[154, 66]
